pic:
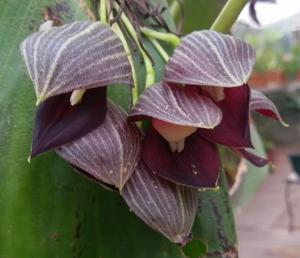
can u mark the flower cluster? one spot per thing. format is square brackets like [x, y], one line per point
[202, 101]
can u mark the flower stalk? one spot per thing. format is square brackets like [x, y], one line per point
[135, 89]
[174, 9]
[150, 73]
[167, 37]
[103, 11]
[160, 49]
[228, 15]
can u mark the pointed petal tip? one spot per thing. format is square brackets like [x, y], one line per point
[285, 124]
[252, 157]
[263, 105]
[39, 100]
[35, 151]
[182, 239]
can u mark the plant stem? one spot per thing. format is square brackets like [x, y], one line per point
[150, 73]
[102, 11]
[135, 89]
[160, 49]
[228, 15]
[167, 37]
[174, 9]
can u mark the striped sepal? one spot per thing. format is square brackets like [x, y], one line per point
[164, 206]
[79, 55]
[177, 105]
[109, 153]
[260, 103]
[212, 59]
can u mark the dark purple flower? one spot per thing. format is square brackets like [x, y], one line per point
[203, 101]
[110, 153]
[72, 58]
[164, 206]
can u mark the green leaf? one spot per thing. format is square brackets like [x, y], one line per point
[215, 222]
[48, 210]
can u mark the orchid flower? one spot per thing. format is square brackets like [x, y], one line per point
[71, 59]
[71, 66]
[204, 100]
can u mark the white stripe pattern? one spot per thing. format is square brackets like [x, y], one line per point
[259, 101]
[164, 206]
[210, 58]
[109, 153]
[177, 105]
[79, 55]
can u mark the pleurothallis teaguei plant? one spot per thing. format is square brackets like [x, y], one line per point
[59, 213]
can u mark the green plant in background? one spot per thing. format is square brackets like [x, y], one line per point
[267, 51]
[272, 55]
[289, 61]
[47, 209]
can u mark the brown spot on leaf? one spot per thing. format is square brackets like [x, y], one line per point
[54, 236]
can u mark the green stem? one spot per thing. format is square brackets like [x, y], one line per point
[167, 37]
[102, 11]
[228, 15]
[160, 49]
[150, 73]
[135, 89]
[174, 9]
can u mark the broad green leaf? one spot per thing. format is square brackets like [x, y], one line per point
[195, 249]
[47, 210]
[215, 223]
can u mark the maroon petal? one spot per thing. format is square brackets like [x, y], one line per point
[177, 105]
[260, 103]
[57, 122]
[79, 55]
[196, 166]
[210, 58]
[109, 153]
[164, 206]
[254, 159]
[234, 129]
